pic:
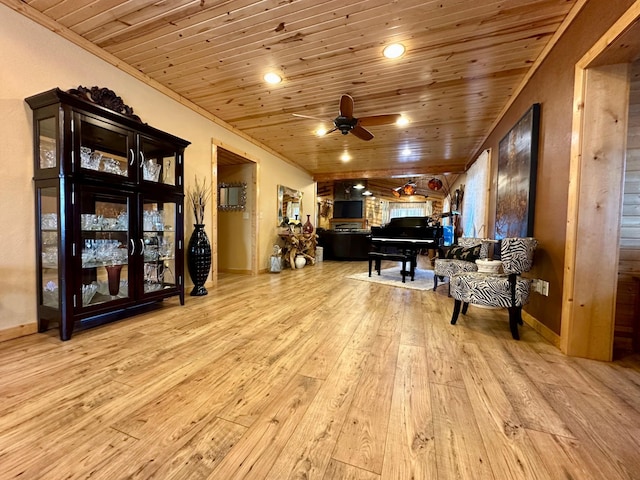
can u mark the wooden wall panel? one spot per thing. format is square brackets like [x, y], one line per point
[629, 262]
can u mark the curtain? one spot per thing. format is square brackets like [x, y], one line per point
[406, 209]
[476, 198]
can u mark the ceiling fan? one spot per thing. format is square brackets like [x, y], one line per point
[347, 123]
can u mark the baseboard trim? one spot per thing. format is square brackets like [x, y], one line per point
[234, 270]
[18, 331]
[542, 329]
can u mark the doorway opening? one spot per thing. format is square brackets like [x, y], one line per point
[236, 228]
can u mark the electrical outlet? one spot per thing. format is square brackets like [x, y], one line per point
[544, 288]
[540, 286]
[535, 285]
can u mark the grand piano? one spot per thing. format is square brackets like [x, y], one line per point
[408, 232]
[408, 235]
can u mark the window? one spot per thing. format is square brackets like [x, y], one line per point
[406, 209]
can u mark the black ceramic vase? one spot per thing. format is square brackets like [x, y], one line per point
[199, 260]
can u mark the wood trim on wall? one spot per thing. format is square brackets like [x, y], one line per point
[601, 96]
[214, 213]
[546, 333]
[594, 209]
[18, 331]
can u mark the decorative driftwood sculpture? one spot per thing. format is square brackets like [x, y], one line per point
[299, 244]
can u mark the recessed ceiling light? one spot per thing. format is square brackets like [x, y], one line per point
[367, 193]
[272, 78]
[359, 186]
[321, 131]
[395, 50]
[402, 121]
[345, 157]
[406, 152]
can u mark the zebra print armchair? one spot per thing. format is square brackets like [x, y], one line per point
[446, 267]
[507, 290]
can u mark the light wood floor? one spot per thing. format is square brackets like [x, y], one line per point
[309, 375]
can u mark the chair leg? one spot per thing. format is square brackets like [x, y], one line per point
[435, 282]
[456, 311]
[514, 317]
[465, 306]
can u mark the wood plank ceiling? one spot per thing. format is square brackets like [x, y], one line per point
[464, 61]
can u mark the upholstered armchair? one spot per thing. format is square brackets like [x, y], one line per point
[460, 258]
[508, 290]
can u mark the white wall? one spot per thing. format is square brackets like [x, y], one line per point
[34, 60]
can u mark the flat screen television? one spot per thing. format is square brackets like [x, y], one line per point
[347, 209]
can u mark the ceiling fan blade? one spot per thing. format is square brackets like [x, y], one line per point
[308, 116]
[329, 131]
[362, 133]
[378, 120]
[346, 106]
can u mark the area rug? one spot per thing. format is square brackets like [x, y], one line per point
[391, 276]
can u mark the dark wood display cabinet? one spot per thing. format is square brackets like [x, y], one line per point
[109, 210]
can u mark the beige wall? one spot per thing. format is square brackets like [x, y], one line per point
[552, 87]
[34, 60]
[235, 236]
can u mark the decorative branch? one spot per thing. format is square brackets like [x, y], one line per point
[198, 196]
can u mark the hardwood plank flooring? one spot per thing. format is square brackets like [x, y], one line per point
[309, 374]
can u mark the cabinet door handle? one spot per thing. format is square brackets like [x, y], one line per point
[141, 159]
[133, 247]
[133, 157]
[141, 246]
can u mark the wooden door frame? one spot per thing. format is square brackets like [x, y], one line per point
[598, 149]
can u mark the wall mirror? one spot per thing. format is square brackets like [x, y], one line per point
[289, 204]
[232, 196]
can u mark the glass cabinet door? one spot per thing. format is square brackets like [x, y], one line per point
[159, 220]
[159, 162]
[106, 148]
[49, 245]
[105, 246]
[48, 152]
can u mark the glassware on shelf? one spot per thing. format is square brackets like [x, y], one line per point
[47, 157]
[122, 222]
[89, 160]
[50, 257]
[50, 295]
[49, 221]
[88, 291]
[151, 170]
[165, 247]
[153, 276]
[90, 221]
[101, 251]
[152, 221]
[111, 165]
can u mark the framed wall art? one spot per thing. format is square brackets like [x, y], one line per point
[517, 165]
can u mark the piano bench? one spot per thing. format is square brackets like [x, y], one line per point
[375, 258]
